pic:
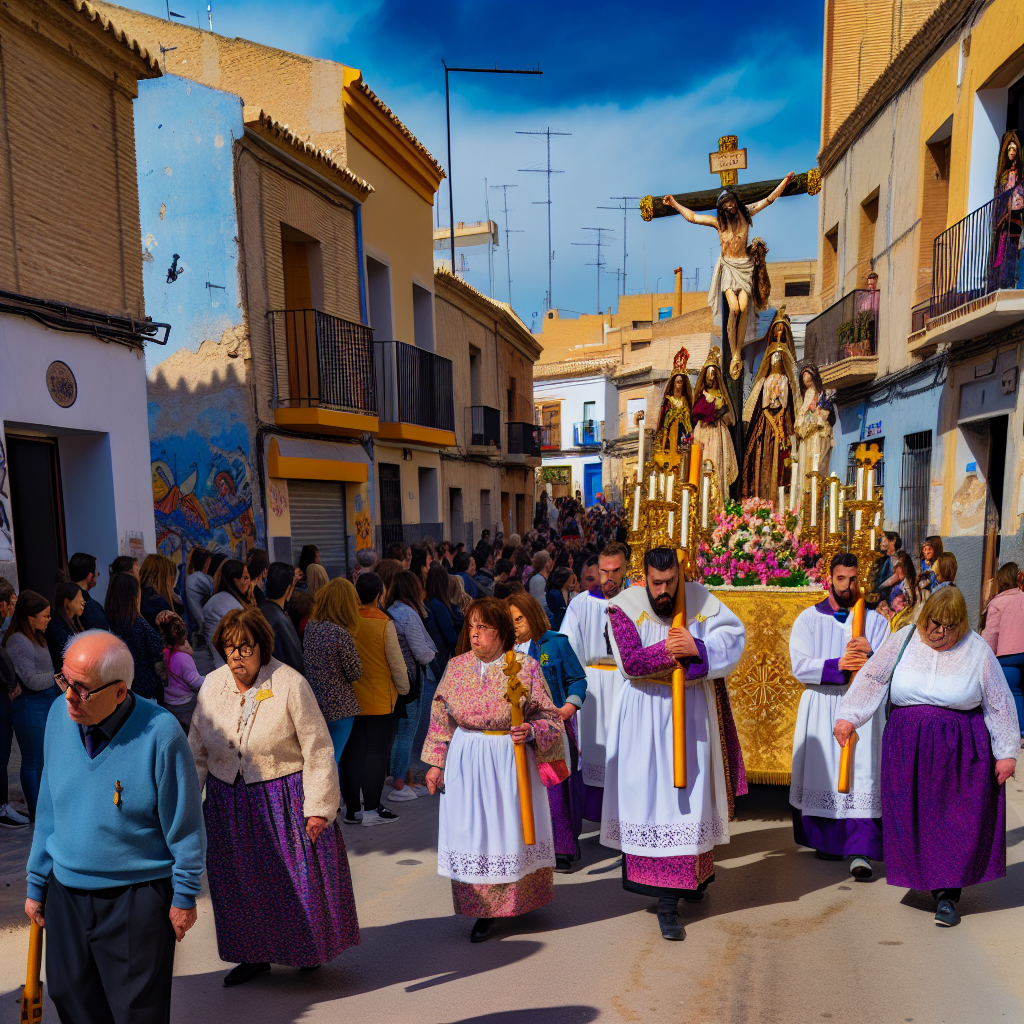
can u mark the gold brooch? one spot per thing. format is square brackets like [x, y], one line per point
[118, 789]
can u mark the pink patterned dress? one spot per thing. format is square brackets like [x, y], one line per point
[480, 838]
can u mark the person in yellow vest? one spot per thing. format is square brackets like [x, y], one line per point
[364, 762]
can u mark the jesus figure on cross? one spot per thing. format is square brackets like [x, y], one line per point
[734, 270]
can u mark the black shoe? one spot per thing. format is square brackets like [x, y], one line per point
[828, 856]
[312, 967]
[482, 929]
[694, 896]
[387, 815]
[860, 868]
[563, 865]
[243, 973]
[946, 915]
[668, 919]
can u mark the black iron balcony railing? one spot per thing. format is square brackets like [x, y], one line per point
[322, 361]
[977, 255]
[586, 434]
[485, 426]
[524, 439]
[551, 437]
[847, 328]
[415, 386]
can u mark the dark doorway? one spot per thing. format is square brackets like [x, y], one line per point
[996, 471]
[390, 504]
[37, 507]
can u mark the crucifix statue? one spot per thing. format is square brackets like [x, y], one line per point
[734, 271]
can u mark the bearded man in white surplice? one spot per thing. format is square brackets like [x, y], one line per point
[667, 835]
[586, 626]
[825, 658]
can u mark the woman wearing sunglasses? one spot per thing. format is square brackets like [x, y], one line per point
[948, 748]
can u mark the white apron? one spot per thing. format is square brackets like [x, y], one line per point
[480, 830]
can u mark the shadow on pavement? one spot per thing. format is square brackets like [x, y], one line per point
[543, 1015]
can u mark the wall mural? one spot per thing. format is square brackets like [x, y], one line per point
[203, 491]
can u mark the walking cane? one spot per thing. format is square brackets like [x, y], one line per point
[32, 993]
[515, 694]
[846, 753]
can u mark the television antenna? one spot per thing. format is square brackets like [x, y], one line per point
[508, 231]
[599, 263]
[625, 208]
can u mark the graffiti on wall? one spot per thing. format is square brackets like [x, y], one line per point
[203, 492]
[6, 534]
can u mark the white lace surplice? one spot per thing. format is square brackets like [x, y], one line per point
[584, 625]
[814, 789]
[964, 677]
[643, 813]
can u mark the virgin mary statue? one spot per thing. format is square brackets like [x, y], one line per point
[713, 415]
[674, 423]
[769, 414]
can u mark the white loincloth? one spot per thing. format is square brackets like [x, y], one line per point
[737, 275]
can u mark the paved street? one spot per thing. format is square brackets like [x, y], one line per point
[782, 938]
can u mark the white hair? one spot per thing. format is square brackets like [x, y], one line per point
[367, 558]
[115, 663]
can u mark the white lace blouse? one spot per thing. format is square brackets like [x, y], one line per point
[965, 677]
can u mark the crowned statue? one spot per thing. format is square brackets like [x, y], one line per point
[770, 415]
[814, 422]
[674, 423]
[713, 416]
[1008, 212]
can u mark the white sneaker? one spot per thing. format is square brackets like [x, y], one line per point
[15, 815]
[354, 820]
[381, 816]
[405, 793]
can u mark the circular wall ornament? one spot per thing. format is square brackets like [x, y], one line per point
[61, 384]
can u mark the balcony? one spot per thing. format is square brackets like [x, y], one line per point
[587, 434]
[323, 373]
[524, 444]
[843, 341]
[416, 397]
[484, 429]
[977, 278]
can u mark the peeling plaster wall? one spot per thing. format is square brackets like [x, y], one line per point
[184, 136]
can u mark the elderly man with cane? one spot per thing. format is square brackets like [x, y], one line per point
[119, 845]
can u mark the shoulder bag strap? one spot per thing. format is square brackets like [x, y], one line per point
[888, 685]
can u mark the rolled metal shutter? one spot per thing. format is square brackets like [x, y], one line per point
[318, 517]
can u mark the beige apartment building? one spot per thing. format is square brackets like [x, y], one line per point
[928, 365]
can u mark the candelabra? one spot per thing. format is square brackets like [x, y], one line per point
[832, 538]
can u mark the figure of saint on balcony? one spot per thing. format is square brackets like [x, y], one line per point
[770, 417]
[814, 424]
[713, 415]
[1007, 212]
[674, 423]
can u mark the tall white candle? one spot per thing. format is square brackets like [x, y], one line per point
[705, 500]
[781, 507]
[860, 483]
[869, 484]
[650, 489]
[817, 456]
[684, 530]
[833, 506]
[668, 489]
[661, 486]
[814, 500]
[792, 490]
[639, 477]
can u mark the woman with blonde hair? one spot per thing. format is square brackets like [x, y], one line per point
[457, 593]
[157, 574]
[316, 578]
[949, 746]
[332, 661]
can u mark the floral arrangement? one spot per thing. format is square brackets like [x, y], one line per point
[752, 544]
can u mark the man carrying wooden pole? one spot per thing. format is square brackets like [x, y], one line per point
[667, 834]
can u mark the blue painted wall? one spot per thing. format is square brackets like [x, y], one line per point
[183, 141]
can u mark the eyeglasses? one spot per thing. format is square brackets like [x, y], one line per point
[939, 627]
[481, 629]
[82, 693]
[243, 650]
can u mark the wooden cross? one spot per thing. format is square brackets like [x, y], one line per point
[515, 695]
[727, 160]
[516, 691]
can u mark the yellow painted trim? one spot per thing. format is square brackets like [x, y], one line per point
[279, 465]
[413, 432]
[370, 126]
[326, 421]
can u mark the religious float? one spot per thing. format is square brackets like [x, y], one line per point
[764, 557]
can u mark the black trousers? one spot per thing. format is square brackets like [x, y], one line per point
[110, 953]
[364, 762]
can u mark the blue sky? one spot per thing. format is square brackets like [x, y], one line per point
[645, 96]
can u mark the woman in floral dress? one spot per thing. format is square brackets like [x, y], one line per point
[480, 844]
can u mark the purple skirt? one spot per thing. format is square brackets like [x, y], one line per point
[276, 896]
[944, 814]
[566, 802]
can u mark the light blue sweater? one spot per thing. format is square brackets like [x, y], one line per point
[86, 840]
